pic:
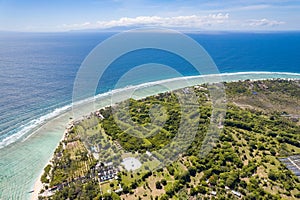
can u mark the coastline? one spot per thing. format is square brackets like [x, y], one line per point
[38, 185]
[50, 133]
[264, 86]
[28, 131]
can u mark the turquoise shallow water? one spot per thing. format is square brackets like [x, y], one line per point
[37, 70]
[22, 162]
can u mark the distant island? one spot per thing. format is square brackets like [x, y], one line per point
[256, 156]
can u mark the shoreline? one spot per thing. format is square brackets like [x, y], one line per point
[28, 130]
[38, 185]
[42, 144]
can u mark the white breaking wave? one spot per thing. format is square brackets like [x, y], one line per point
[36, 123]
[32, 125]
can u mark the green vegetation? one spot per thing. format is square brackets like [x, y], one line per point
[244, 160]
[266, 96]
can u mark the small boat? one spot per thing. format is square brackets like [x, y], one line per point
[31, 191]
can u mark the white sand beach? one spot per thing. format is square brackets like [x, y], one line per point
[36, 151]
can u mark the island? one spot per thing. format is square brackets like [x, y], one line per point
[256, 156]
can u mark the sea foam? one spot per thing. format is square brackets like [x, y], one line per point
[29, 129]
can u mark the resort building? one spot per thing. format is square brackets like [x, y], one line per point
[106, 171]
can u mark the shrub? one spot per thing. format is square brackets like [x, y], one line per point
[164, 182]
[158, 185]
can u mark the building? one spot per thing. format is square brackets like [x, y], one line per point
[236, 193]
[106, 171]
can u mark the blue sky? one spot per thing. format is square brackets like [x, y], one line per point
[64, 15]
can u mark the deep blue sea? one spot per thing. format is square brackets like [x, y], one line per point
[37, 70]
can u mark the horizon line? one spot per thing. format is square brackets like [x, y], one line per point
[119, 31]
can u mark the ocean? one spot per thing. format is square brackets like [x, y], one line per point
[38, 71]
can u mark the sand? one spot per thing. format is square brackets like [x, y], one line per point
[38, 185]
[37, 188]
[35, 152]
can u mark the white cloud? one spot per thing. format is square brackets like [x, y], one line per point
[188, 21]
[195, 21]
[264, 22]
[213, 21]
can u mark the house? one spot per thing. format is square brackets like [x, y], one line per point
[149, 153]
[186, 91]
[236, 193]
[106, 171]
[99, 115]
